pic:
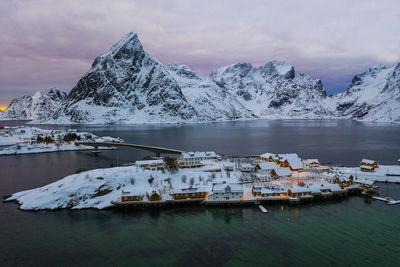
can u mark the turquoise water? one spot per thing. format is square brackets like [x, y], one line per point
[354, 231]
[350, 232]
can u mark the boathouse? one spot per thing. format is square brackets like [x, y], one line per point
[299, 192]
[227, 191]
[154, 196]
[273, 192]
[153, 165]
[128, 196]
[190, 193]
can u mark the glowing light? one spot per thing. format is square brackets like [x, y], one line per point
[2, 108]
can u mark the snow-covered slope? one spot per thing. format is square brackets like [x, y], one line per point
[208, 98]
[125, 85]
[373, 95]
[39, 106]
[273, 90]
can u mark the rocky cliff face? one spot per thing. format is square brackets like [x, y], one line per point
[274, 90]
[41, 105]
[373, 95]
[126, 85]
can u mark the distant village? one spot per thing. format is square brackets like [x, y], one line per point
[28, 140]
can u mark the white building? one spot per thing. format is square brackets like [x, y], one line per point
[246, 167]
[225, 191]
[153, 165]
[194, 159]
[229, 166]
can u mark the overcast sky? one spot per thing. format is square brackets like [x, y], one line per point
[46, 43]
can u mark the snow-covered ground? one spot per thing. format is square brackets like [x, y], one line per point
[23, 140]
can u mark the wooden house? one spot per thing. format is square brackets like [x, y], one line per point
[281, 172]
[154, 196]
[295, 164]
[370, 163]
[366, 168]
[128, 196]
[312, 162]
[190, 193]
[273, 193]
[256, 191]
[225, 191]
[299, 192]
[265, 167]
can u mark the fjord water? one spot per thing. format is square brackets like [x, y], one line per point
[352, 231]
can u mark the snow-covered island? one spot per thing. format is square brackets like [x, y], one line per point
[206, 178]
[28, 140]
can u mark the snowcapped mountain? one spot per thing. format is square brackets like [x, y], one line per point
[274, 90]
[39, 106]
[127, 85]
[373, 95]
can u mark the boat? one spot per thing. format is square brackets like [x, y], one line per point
[264, 210]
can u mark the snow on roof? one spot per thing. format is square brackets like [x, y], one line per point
[266, 165]
[190, 190]
[366, 182]
[367, 167]
[235, 187]
[246, 165]
[149, 162]
[288, 156]
[267, 155]
[228, 164]
[265, 190]
[197, 154]
[333, 187]
[300, 190]
[368, 161]
[312, 161]
[329, 175]
[283, 171]
[295, 163]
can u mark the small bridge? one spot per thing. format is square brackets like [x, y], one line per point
[155, 149]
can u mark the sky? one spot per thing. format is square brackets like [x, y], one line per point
[46, 43]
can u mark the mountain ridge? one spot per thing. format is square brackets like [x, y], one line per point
[126, 85]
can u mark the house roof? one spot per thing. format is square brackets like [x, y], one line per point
[272, 190]
[300, 190]
[366, 182]
[367, 167]
[267, 155]
[197, 154]
[283, 171]
[289, 156]
[246, 165]
[148, 162]
[295, 163]
[190, 190]
[266, 165]
[313, 161]
[368, 161]
[235, 187]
